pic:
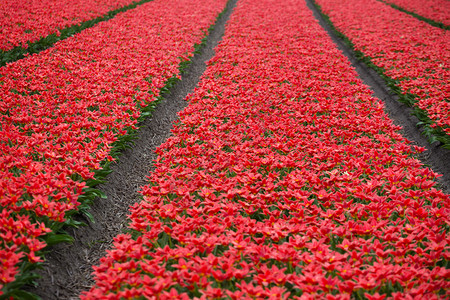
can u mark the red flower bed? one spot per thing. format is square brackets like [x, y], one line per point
[28, 21]
[436, 10]
[410, 51]
[62, 110]
[283, 178]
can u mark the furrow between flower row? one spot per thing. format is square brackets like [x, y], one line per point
[284, 178]
[64, 111]
[412, 54]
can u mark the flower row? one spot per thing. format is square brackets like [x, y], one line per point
[436, 10]
[62, 111]
[413, 53]
[284, 178]
[22, 21]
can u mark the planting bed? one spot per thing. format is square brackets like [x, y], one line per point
[23, 22]
[284, 178]
[412, 54]
[65, 109]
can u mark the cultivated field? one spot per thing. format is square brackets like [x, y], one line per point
[311, 161]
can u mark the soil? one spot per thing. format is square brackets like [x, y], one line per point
[67, 268]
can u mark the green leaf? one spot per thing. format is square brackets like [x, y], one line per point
[74, 223]
[87, 215]
[23, 295]
[56, 238]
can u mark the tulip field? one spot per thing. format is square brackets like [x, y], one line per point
[284, 176]
[22, 22]
[63, 109]
[435, 10]
[412, 53]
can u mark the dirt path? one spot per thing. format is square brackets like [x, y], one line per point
[67, 270]
[437, 158]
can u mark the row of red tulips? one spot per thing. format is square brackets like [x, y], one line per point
[436, 10]
[23, 21]
[63, 110]
[283, 178]
[413, 53]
